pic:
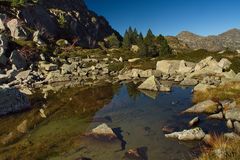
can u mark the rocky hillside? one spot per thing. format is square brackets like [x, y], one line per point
[177, 45]
[229, 39]
[56, 19]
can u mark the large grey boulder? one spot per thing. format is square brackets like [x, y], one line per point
[168, 66]
[174, 66]
[18, 60]
[17, 31]
[184, 68]
[186, 135]
[207, 106]
[12, 101]
[207, 66]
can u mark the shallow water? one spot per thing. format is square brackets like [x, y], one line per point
[137, 117]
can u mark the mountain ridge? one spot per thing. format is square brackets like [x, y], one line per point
[229, 39]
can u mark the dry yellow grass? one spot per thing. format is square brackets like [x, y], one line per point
[223, 92]
[222, 149]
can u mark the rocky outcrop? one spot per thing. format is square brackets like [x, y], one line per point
[68, 19]
[12, 101]
[229, 39]
[176, 45]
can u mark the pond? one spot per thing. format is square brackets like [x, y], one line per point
[138, 118]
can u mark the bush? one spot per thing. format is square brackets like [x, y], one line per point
[112, 41]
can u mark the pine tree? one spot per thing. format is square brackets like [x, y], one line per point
[149, 41]
[126, 40]
[162, 45]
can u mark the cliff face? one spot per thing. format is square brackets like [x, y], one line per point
[68, 19]
[229, 39]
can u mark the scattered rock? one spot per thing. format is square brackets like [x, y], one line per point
[194, 121]
[3, 18]
[133, 60]
[150, 84]
[207, 106]
[208, 139]
[136, 154]
[42, 113]
[48, 67]
[23, 127]
[189, 82]
[229, 124]
[185, 135]
[237, 127]
[202, 87]
[16, 29]
[232, 114]
[230, 75]
[232, 135]
[224, 63]
[216, 116]
[135, 48]
[228, 104]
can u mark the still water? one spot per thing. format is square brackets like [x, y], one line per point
[136, 116]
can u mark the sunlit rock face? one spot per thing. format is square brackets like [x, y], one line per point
[68, 19]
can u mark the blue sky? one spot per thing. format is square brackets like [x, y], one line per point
[169, 17]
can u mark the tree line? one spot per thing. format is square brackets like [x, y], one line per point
[148, 46]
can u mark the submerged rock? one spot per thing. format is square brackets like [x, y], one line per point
[185, 135]
[103, 131]
[136, 154]
[207, 106]
[12, 101]
[23, 127]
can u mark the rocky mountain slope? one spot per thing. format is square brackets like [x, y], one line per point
[227, 40]
[68, 19]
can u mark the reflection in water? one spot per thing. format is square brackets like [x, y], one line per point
[136, 119]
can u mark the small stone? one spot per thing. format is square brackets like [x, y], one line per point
[136, 154]
[42, 113]
[193, 121]
[229, 124]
